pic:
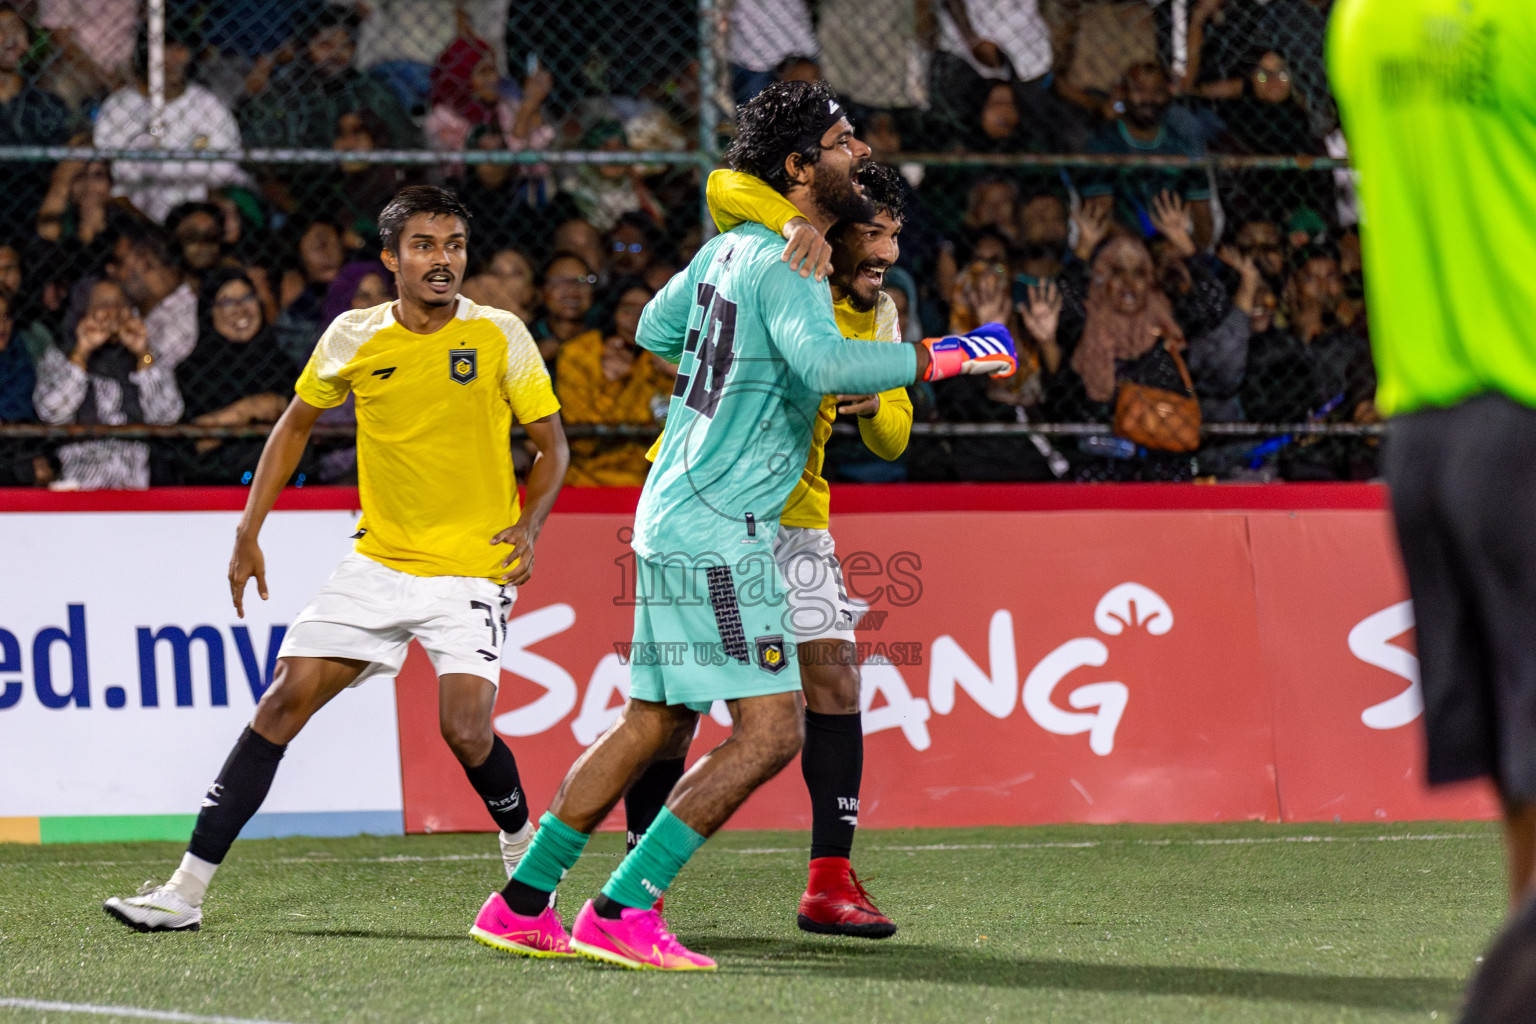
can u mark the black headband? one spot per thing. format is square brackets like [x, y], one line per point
[834, 114]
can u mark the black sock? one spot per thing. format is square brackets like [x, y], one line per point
[524, 899]
[832, 762]
[607, 908]
[235, 795]
[496, 780]
[648, 796]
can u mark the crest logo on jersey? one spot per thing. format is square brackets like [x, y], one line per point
[463, 366]
[770, 653]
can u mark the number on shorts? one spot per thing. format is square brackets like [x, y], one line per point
[490, 617]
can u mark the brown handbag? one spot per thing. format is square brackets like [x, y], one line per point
[1157, 418]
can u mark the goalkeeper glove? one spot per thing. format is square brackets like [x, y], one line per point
[987, 349]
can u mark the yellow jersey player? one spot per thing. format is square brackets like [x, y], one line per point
[442, 545]
[820, 613]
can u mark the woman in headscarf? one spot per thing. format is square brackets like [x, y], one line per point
[360, 285]
[236, 376]
[1126, 315]
[467, 91]
[101, 371]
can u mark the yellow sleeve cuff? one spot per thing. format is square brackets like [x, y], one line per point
[736, 198]
[886, 432]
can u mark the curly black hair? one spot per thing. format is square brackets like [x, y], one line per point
[885, 189]
[410, 201]
[785, 118]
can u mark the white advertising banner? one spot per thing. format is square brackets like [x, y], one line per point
[125, 675]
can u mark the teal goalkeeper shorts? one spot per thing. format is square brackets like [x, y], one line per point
[697, 641]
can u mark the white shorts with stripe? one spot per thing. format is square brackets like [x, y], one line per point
[370, 612]
[819, 606]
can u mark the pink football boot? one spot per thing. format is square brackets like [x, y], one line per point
[638, 939]
[498, 927]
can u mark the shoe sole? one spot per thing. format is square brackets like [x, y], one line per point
[857, 931]
[140, 926]
[494, 941]
[605, 956]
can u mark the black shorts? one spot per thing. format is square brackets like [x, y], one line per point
[1464, 497]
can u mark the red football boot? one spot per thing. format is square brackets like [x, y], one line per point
[836, 904]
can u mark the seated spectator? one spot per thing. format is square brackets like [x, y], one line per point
[514, 206]
[580, 237]
[92, 41]
[604, 377]
[78, 224]
[1260, 240]
[1185, 274]
[568, 287]
[193, 118]
[29, 116]
[1270, 117]
[467, 92]
[400, 39]
[605, 191]
[505, 282]
[760, 36]
[235, 376]
[875, 55]
[1143, 130]
[20, 458]
[1115, 324]
[314, 258]
[17, 375]
[143, 265]
[103, 370]
[302, 102]
[359, 189]
[1224, 36]
[359, 285]
[1218, 357]
[198, 232]
[632, 245]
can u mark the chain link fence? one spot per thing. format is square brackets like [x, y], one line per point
[1128, 184]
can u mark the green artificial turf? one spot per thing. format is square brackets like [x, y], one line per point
[1111, 923]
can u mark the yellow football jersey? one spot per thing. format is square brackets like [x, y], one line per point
[434, 413]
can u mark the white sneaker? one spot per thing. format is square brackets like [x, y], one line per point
[514, 846]
[156, 908]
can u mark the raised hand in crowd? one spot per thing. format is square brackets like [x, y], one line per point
[1249, 276]
[1093, 224]
[985, 291]
[1171, 218]
[1040, 314]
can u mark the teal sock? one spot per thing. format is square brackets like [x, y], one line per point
[556, 847]
[650, 867]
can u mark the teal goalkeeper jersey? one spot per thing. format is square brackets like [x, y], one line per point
[756, 348]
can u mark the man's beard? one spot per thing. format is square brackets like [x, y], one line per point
[851, 286]
[835, 197]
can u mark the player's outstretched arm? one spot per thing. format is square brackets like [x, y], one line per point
[279, 458]
[544, 481]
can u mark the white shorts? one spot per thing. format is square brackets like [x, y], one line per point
[819, 607]
[370, 612]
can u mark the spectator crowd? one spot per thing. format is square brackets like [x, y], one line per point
[145, 291]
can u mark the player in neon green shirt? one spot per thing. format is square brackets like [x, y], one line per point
[1438, 99]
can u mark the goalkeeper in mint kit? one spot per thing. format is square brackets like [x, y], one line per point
[757, 348]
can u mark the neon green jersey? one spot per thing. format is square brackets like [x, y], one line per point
[1438, 100]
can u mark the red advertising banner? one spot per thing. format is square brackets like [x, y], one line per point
[1336, 630]
[1028, 667]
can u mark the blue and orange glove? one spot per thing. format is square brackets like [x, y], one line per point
[987, 349]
